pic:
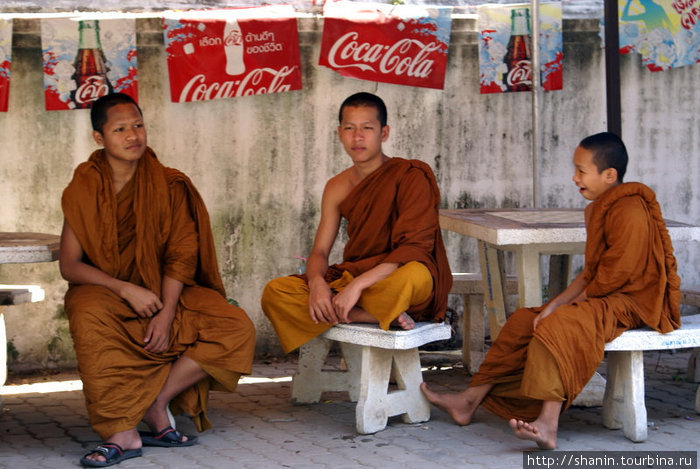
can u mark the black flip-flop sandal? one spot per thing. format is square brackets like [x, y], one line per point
[166, 438]
[113, 453]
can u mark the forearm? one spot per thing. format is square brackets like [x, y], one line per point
[170, 294]
[572, 293]
[375, 274]
[316, 267]
[80, 273]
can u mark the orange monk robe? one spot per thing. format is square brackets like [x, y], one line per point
[392, 218]
[156, 225]
[631, 280]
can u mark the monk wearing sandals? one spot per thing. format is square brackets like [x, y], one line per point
[151, 325]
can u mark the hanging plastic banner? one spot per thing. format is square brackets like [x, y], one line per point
[86, 58]
[505, 47]
[215, 54]
[400, 44]
[5, 61]
[665, 33]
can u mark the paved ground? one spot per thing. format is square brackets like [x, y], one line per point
[258, 427]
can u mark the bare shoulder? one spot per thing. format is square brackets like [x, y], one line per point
[339, 186]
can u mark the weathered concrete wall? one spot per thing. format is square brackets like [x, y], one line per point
[261, 162]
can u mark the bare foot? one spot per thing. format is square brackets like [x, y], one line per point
[460, 406]
[404, 321]
[128, 439]
[538, 431]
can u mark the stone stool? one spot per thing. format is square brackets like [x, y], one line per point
[372, 357]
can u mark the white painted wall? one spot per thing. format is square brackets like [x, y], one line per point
[261, 162]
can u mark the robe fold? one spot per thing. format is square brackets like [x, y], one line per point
[156, 225]
[631, 277]
[392, 217]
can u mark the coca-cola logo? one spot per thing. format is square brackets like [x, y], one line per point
[94, 87]
[519, 74]
[407, 56]
[234, 38]
[257, 81]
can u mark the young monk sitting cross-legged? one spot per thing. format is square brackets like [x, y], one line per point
[394, 268]
[543, 357]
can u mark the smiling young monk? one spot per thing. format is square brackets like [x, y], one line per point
[543, 357]
[147, 310]
[394, 268]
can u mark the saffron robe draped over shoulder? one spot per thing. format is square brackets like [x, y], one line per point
[156, 225]
[631, 281]
[393, 216]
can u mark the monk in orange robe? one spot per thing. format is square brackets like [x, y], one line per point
[543, 357]
[394, 268]
[147, 310]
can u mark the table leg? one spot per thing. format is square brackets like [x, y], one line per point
[529, 277]
[494, 278]
[559, 273]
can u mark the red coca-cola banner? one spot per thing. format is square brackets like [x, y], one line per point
[400, 44]
[86, 57]
[217, 54]
[5, 60]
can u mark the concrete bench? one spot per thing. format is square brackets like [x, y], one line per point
[623, 401]
[14, 295]
[472, 324]
[18, 294]
[372, 356]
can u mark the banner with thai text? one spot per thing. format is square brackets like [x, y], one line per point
[400, 44]
[666, 33]
[5, 61]
[86, 57]
[505, 47]
[217, 54]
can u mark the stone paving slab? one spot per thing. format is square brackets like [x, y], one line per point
[258, 427]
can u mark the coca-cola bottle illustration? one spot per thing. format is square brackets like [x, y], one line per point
[90, 66]
[518, 56]
[233, 47]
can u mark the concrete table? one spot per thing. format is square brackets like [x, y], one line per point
[529, 233]
[20, 248]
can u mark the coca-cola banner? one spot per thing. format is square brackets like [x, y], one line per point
[505, 48]
[87, 57]
[666, 34]
[216, 54]
[400, 44]
[5, 61]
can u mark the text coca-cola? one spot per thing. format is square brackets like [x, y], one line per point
[197, 88]
[409, 56]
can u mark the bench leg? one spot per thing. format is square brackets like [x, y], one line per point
[623, 403]
[376, 404]
[473, 333]
[310, 380]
